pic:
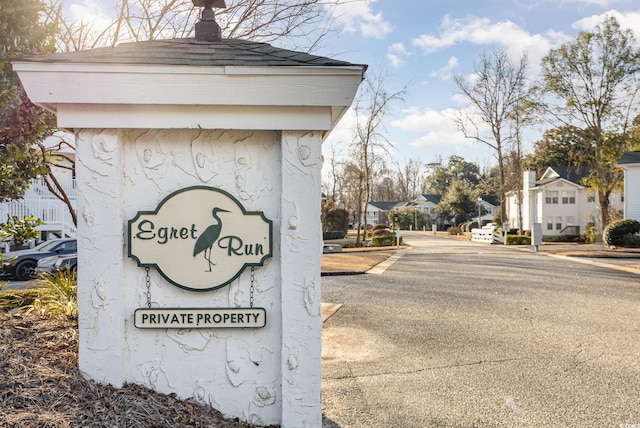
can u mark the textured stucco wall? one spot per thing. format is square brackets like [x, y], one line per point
[264, 376]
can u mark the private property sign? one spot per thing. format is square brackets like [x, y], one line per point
[200, 318]
[200, 238]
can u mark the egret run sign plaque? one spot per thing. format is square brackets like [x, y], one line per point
[200, 238]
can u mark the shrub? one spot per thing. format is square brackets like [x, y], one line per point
[333, 234]
[384, 241]
[15, 299]
[590, 235]
[454, 230]
[57, 295]
[379, 226]
[518, 240]
[631, 240]
[561, 238]
[615, 232]
[381, 232]
[20, 230]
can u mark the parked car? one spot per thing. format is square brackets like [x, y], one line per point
[21, 264]
[65, 262]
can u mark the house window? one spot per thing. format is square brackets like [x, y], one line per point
[571, 221]
[551, 197]
[558, 223]
[568, 196]
[549, 223]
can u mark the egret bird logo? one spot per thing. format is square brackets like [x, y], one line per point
[209, 237]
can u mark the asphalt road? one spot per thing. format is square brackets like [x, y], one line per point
[15, 285]
[457, 334]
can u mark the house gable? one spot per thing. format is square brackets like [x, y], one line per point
[570, 174]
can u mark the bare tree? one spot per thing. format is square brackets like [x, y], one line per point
[369, 138]
[300, 25]
[495, 93]
[64, 161]
[410, 179]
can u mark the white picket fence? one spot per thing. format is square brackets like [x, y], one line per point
[487, 234]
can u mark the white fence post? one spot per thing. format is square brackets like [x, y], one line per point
[486, 234]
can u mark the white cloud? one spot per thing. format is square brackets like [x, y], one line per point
[395, 54]
[629, 20]
[358, 16]
[445, 72]
[482, 31]
[91, 13]
[603, 3]
[436, 127]
[437, 130]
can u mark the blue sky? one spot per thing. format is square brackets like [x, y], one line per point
[420, 44]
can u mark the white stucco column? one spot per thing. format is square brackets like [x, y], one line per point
[102, 316]
[301, 322]
[159, 119]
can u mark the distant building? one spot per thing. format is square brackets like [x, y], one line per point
[630, 162]
[559, 201]
[378, 212]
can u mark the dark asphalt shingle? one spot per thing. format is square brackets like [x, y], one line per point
[227, 52]
[629, 158]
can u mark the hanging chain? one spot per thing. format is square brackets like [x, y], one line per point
[252, 277]
[147, 282]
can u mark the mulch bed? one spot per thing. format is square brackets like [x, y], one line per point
[41, 386]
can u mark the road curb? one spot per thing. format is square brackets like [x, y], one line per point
[342, 272]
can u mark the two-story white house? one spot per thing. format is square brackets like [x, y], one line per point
[426, 204]
[559, 201]
[630, 162]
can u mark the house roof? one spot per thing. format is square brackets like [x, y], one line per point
[569, 173]
[630, 158]
[384, 206]
[435, 199]
[490, 199]
[227, 52]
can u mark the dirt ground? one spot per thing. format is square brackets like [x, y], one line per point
[41, 386]
[353, 261]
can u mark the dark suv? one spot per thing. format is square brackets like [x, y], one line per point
[21, 264]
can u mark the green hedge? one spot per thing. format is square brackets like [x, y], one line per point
[518, 240]
[614, 233]
[384, 241]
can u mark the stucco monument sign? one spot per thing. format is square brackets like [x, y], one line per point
[198, 171]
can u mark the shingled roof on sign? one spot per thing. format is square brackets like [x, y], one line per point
[227, 52]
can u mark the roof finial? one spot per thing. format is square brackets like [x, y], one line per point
[207, 30]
